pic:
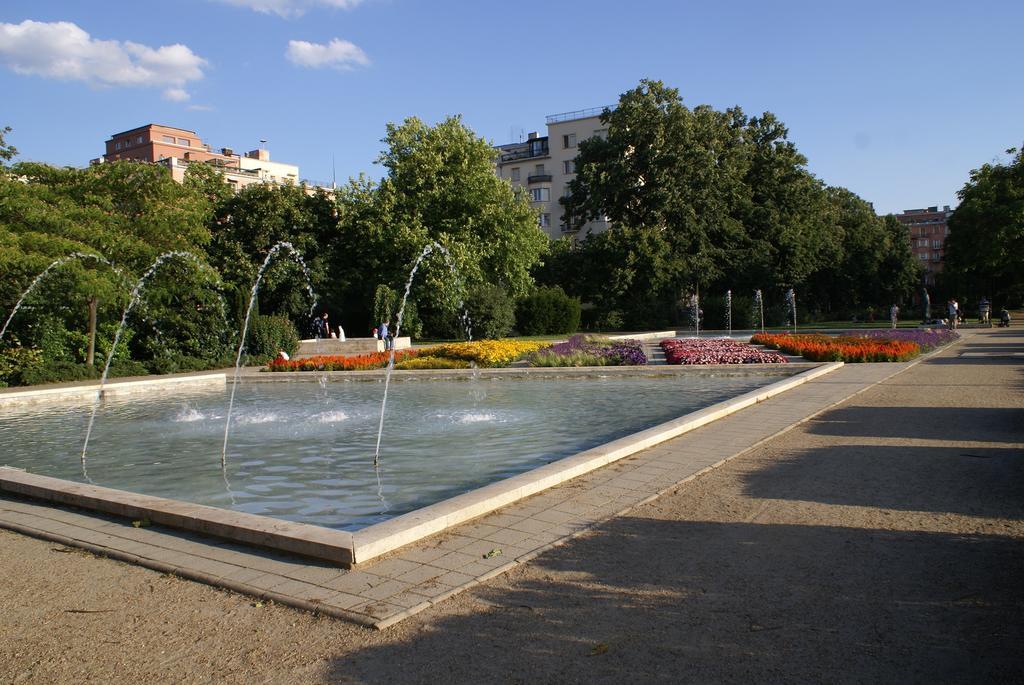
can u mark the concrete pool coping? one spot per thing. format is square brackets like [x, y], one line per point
[347, 549]
[387, 590]
[62, 392]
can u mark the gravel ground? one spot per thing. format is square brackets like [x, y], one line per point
[882, 541]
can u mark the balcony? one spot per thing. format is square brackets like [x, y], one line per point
[538, 178]
[527, 151]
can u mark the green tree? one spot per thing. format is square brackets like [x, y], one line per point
[440, 188]
[247, 226]
[7, 151]
[783, 210]
[984, 252]
[667, 170]
[128, 213]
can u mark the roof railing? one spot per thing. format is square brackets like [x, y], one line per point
[578, 114]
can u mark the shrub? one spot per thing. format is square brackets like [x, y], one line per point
[548, 310]
[270, 334]
[492, 312]
[127, 368]
[14, 361]
[57, 372]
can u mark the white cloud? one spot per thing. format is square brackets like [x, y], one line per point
[200, 108]
[338, 54]
[62, 50]
[291, 8]
[176, 95]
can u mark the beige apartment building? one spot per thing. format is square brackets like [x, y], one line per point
[177, 148]
[543, 166]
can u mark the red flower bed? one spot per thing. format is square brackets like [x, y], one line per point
[716, 351]
[823, 348]
[338, 362]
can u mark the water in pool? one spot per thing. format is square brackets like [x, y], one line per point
[304, 452]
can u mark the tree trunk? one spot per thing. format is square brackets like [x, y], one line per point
[90, 355]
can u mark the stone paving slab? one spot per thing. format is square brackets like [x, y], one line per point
[384, 591]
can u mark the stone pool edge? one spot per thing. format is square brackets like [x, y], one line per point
[348, 549]
[15, 397]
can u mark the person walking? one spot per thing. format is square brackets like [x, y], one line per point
[894, 314]
[985, 312]
[382, 331]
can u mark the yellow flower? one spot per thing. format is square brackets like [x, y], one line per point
[488, 353]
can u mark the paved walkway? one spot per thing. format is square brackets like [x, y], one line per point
[381, 593]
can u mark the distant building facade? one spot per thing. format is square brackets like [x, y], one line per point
[928, 230]
[177, 148]
[543, 166]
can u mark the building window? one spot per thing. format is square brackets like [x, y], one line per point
[936, 244]
[923, 256]
[515, 173]
[539, 169]
[184, 141]
[540, 194]
[569, 166]
[936, 256]
[569, 140]
[167, 139]
[117, 145]
[545, 220]
[138, 141]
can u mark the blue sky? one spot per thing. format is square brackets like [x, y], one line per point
[894, 100]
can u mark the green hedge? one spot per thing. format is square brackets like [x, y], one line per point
[270, 334]
[548, 311]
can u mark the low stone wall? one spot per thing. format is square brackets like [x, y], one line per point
[348, 347]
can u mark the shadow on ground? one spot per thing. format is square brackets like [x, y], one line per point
[972, 481]
[645, 600]
[985, 424]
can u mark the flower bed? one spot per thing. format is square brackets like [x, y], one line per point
[716, 351]
[926, 338]
[822, 348]
[338, 362]
[487, 353]
[580, 350]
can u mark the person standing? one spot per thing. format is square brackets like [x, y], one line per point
[954, 312]
[985, 312]
[382, 330]
[894, 314]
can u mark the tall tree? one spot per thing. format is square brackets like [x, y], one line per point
[440, 187]
[247, 226]
[668, 169]
[984, 252]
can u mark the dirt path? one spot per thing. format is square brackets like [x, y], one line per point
[883, 541]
